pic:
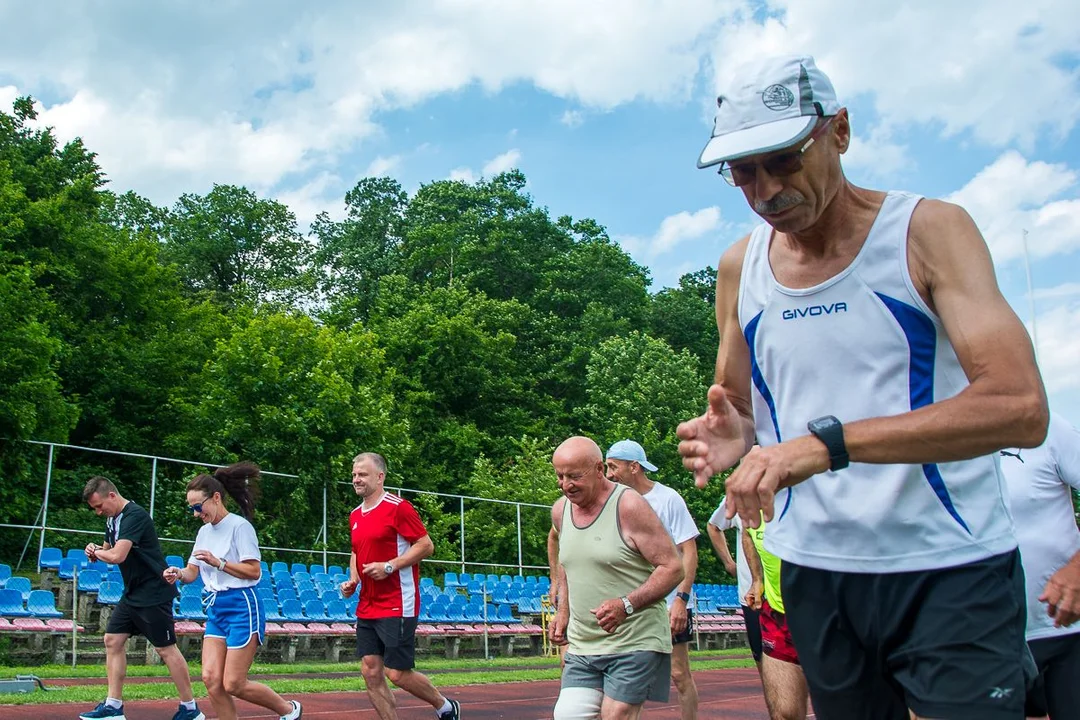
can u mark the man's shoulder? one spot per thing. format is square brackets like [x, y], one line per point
[932, 215]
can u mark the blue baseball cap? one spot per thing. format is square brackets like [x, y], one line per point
[632, 451]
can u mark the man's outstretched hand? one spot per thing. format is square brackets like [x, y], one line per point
[713, 442]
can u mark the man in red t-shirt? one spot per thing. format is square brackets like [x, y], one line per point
[388, 542]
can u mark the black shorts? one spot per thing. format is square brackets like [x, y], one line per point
[154, 622]
[1056, 692]
[752, 618]
[946, 643]
[686, 635]
[392, 639]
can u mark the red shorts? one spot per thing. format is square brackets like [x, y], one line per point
[776, 639]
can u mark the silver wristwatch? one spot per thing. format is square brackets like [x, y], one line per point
[627, 606]
[388, 568]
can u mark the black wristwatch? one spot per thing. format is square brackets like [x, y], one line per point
[685, 597]
[829, 431]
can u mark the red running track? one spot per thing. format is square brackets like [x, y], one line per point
[733, 694]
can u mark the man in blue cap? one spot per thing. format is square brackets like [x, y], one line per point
[627, 465]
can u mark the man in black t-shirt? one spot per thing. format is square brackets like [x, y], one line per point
[145, 608]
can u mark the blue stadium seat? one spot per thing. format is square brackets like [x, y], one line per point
[317, 570]
[99, 565]
[298, 568]
[175, 561]
[284, 594]
[77, 554]
[273, 612]
[109, 593]
[450, 580]
[11, 603]
[191, 608]
[50, 558]
[5, 573]
[42, 603]
[67, 568]
[277, 567]
[335, 570]
[89, 581]
[505, 616]
[314, 610]
[336, 610]
[282, 578]
[19, 584]
[306, 596]
[292, 610]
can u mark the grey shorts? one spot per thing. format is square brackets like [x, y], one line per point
[631, 678]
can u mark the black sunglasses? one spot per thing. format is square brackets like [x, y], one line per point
[778, 165]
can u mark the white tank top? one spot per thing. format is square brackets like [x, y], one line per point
[863, 344]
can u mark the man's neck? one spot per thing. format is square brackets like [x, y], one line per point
[838, 225]
[373, 499]
[641, 483]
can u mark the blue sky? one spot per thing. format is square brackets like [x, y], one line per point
[604, 106]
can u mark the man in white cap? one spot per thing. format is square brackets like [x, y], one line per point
[1041, 484]
[865, 344]
[627, 465]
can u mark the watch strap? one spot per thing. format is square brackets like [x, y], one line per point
[830, 431]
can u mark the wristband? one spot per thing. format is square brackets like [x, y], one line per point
[221, 567]
[685, 597]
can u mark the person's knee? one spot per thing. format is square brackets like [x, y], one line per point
[170, 653]
[578, 703]
[212, 679]
[234, 684]
[395, 675]
[115, 642]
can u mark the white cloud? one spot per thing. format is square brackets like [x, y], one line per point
[1059, 347]
[463, 174]
[8, 93]
[1065, 291]
[572, 118]
[673, 231]
[1012, 195]
[324, 193]
[382, 166]
[874, 155]
[501, 163]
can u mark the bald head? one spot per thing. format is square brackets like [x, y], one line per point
[579, 467]
[578, 449]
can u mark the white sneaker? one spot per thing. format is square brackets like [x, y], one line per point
[297, 711]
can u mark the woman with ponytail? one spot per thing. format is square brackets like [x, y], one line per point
[227, 557]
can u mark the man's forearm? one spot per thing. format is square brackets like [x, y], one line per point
[660, 582]
[753, 560]
[688, 550]
[719, 543]
[968, 425]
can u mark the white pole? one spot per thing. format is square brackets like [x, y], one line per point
[1031, 298]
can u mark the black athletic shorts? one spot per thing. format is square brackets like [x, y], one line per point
[393, 639]
[154, 622]
[946, 643]
[1056, 691]
[752, 618]
[686, 635]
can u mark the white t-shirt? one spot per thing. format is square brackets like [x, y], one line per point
[233, 540]
[675, 518]
[1040, 486]
[742, 568]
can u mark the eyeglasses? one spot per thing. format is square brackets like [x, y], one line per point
[779, 165]
[197, 507]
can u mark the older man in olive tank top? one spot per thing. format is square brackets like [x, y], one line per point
[617, 564]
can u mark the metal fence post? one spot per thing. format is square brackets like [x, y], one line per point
[153, 485]
[45, 507]
[461, 531]
[325, 531]
[521, 564]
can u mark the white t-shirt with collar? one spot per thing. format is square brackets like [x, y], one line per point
[676, 519]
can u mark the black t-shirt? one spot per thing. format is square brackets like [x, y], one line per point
[143, 584]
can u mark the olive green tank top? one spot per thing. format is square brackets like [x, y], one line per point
[599, 566]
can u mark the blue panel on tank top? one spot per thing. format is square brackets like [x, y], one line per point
[750, 333]
[922, 343]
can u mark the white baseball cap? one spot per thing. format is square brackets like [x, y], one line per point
[770, 104]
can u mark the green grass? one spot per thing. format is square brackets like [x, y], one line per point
[480, 672]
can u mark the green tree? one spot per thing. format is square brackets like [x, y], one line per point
[355, 254]
[685, 317]
[232, 243]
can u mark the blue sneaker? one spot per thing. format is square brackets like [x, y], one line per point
[184, 714]
[104, 711]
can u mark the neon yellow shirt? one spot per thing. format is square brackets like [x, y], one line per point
[770, 566]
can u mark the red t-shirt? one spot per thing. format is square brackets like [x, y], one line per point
[381, 534]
